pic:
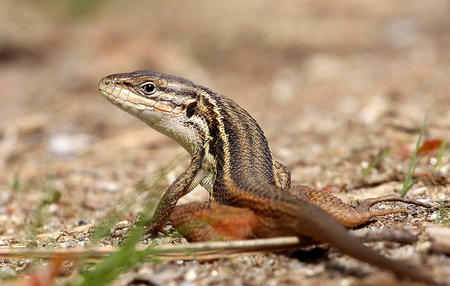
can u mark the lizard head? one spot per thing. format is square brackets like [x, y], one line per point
[166, 103]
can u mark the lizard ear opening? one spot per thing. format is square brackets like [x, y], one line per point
[190, 109]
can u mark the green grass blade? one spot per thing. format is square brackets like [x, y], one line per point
[366, 171]
[409, 182]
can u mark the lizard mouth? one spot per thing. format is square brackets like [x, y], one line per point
[128, 100]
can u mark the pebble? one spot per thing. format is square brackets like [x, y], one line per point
[53, 208]
[190, 275]
[6, 271]
[167, 275]
[423, 247]
[418, 191]
[434, 216]
[119, 232]
[401, 33]
[295, 264]
[68, 244]
[442, 196]
[4, 242]
[22, 264]
[364, 164]
[122, 224]
[79, 235]
[186, 283]
[374, 109]
[108, 186]
[66, 145]
[5, 196]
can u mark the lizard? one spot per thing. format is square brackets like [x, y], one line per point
[232, 160]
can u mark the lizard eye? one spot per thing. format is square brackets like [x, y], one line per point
[148, 88]
[190, 109]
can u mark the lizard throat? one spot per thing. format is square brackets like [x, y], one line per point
[161, 114]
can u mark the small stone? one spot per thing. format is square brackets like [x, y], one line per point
[122, 224]
[61, 239]
[401, 33]
[6, 271]
[374, 109]
[4, 242]
[53, 208]
[65, 145]
[434, 216]
[119, 232]
[442, 196]
[81, 243]
[4, 197]
[417, 191]
[423, 247]
[313, 270]
[79, 235]
[190, 275]
[108, 186]
[295, 265]
[22, 264]
[433, 161]
[68, 244]
[364, 164]
[186, 283]
[347, 281]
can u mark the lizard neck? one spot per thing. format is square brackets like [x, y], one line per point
[238, 144]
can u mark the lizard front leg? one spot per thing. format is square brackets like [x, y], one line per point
[185, 183]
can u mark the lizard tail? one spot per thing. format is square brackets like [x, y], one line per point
[323, 227]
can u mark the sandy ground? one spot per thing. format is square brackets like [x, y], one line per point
[332, 85]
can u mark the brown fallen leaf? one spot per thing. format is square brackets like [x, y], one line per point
[430, 145]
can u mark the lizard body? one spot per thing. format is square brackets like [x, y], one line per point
[232, 159]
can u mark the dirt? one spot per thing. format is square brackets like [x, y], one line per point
[332, 85]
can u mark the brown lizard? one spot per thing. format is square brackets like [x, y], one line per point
[232, 159]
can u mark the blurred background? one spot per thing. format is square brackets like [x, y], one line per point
[332, 85]
[299, 67]
[296, 57]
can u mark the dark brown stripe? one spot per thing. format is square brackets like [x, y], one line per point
[249, 149]
[182, 92]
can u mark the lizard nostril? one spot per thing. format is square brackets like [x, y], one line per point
[106, 81]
